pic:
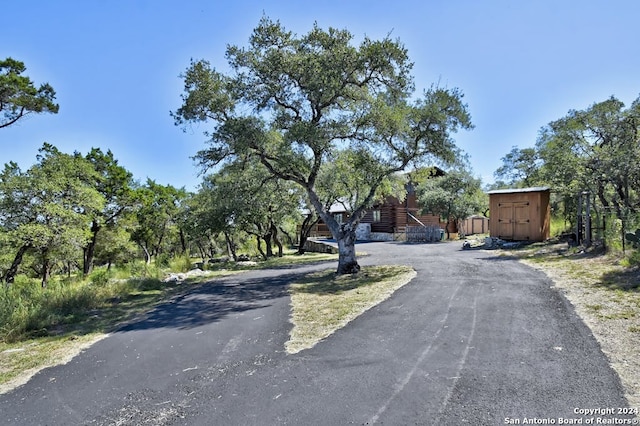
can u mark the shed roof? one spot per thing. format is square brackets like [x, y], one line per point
[519, 190]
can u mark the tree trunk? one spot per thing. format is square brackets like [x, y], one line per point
[289, 238]
[201, 250]
[269, 246]
[147, 255]
[305, 231]
[231, 247]
[183, 241]
[344, 234]
[212, 247]
[347, 263]
[90, 249]
[259, 243]
[275, 239]
[10, 276]
[46, 268]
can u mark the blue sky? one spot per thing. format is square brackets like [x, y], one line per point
[115, 66]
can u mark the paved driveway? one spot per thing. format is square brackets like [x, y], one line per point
[474, 339]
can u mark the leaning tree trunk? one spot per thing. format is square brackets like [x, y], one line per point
[305, 231]
[259, 245]
[231, 247]
[10, 276]
[147, 255]
[347, 263]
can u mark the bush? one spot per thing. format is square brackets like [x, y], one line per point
[142, 270]
[180, 264]
[100, 277]
[633, 259]
[162, 260]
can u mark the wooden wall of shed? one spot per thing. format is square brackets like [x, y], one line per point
[539, 215]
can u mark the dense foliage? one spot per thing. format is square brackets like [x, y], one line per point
[596, 150]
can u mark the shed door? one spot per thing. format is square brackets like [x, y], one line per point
[513, 220]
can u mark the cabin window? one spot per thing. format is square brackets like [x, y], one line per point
[338, 217]
[376, 215]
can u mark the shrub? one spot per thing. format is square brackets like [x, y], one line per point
[180, 264]
[633, 259]
[162, 260]
[100, 277]
[142, 270]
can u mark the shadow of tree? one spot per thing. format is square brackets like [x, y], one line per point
[210, 302]
[499, 258]
[329, 283]
[626, 280]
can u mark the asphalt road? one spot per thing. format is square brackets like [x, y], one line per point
[474, 339]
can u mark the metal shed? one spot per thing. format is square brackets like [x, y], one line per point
[520, 214]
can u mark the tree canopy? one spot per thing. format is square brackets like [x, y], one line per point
[19, 96]
[596, 150]
[455, 195]
[44, 209]
[297, 103]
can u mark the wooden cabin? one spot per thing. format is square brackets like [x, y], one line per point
[391, 217]
[520, 214]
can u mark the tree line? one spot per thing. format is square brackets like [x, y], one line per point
[70, 212]
[595, 151]
[298, 124]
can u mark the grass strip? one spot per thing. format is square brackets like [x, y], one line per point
[322, 302]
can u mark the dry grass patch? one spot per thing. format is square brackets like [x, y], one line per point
[20, 361]
[322, 302]
[606, 295]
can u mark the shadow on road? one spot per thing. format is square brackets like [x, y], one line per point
[212, 301]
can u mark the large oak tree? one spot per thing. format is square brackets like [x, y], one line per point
[296, 102]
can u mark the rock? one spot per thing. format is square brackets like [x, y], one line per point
[174, 278]
[195, 273]
[247, 263]
[244, 258]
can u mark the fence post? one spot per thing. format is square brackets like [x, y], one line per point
[579, 221]
[587, 224]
